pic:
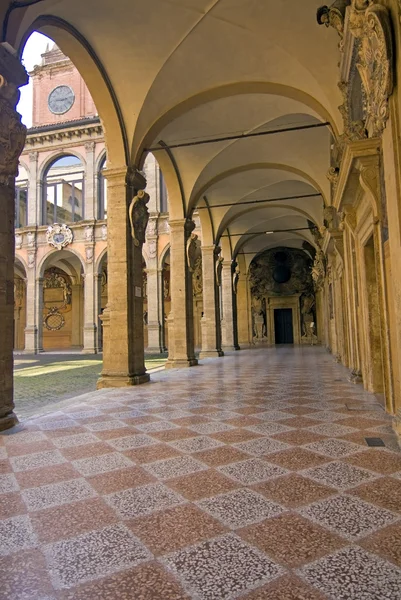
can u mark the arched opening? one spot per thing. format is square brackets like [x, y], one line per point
[63, 191]
[63, 302]
[19, 305]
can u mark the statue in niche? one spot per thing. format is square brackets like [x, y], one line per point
[308, 317]
[258, 320]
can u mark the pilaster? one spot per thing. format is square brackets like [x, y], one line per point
[227, 321]
[12, 136]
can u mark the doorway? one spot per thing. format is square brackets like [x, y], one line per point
[283, 326]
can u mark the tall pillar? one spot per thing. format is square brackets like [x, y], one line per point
[76, 297]
[180, 321]
[12, 139]
[90, 203]
[123, 345]
[33, 196]
[210, 322]
[227, 322]
[90, 306]
[153, 278]
[34, 313]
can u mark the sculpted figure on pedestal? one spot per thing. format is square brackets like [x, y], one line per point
[139, 217]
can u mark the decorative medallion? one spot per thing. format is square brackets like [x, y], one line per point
[54, 320]
[59, 236]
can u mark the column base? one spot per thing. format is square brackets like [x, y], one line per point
[230, 348]
[113, 381]
[180, 363]
[153, 350]
[8, 421]
[89, 351]
[211, 353]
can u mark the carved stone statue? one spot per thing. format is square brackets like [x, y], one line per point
[88, 234]
[31, 239]
[104, 232]
[139, 217]
[191, 251]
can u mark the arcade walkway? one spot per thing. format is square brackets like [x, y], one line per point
[246, 477]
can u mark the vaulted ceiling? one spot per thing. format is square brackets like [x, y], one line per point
[177, 72]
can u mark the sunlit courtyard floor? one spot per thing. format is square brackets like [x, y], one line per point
[247, 477]
[43, 381]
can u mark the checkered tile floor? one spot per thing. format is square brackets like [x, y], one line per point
[246, 477]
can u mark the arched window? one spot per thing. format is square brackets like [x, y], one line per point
[21, 198]
[63, 191]
[102, 191]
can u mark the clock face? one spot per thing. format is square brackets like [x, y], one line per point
[61, 99]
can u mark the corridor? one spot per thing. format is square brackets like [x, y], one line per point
[245, 477]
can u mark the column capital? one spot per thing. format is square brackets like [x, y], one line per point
[12, 131]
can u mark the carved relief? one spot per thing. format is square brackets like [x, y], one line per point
[31, 236]
[333, 16]
[376, 65]
[319, 269]
[12, 132]
[139, 217]
[197, 279]
[18, 241]
[236, 274]
[104, 232]
[152, 247]
[59, 236]
[88, 233]
[31, 259]
[89, 251]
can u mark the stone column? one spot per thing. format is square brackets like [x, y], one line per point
[33, 197]
[227, 322]
[210, 322]
[154, 341]
[76, 296]
[90, 296]
[123, 347]
[180, 321]
[90, 200]
[153, 311]
[12, 139]
[97, 286]
[34, 313]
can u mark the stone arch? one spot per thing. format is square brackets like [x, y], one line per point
[163, 255]
[100, 260]
[255, 208]
[252, 167]
[47, 164]
[46, 259]
[230, 89]
[77, 48]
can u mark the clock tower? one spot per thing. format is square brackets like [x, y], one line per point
[59, 92]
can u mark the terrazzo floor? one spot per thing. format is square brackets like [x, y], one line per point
[246, 477]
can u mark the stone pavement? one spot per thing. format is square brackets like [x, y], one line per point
[246, 477]
[42, 382]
